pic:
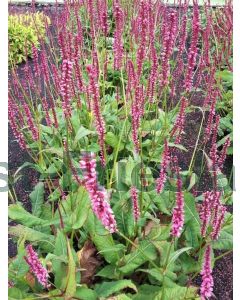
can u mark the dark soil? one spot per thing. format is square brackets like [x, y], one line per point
[223, 270]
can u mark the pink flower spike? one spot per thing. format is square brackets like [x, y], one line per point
[218, 223]
[96, 108]
[98, 195]
[163, 172]
[36, 267]
[205, 213]
[207, 279]
[178, 212]
[65, 87]
[224, 153]
[134, 196]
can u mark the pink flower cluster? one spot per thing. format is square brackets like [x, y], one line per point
[169, 36]
[12, 115]
[134, 196]
[143, 26]
[212, 213]
[136, 113]
[98, 195]
[31, 124]
[163, 168]
[95, 105]
[180, 120]
[65, 87]
[36, 266]
[118, 44]
[178, 211]
[193, 51]
[207, 279]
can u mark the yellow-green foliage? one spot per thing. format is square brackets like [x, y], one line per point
[24, 30]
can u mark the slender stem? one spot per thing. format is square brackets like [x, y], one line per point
[196, 144]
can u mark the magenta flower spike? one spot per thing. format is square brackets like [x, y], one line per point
[193, 51]
[205, 213]
[95, 105]
[36, 266]
[118, 43]
[98, 195]
[220, 213]
[65, 87]
[178, 211]
[163, 169]
[134, 196]
[207, 279]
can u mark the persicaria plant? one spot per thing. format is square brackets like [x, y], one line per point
[118, 113]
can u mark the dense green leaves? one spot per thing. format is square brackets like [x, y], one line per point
[109, 288]
[37, 197]
[144, 252]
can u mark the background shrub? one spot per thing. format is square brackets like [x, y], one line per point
[24, 30]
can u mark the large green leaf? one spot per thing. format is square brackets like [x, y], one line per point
[59, 267]
[225, 240]
[102, 242]
[108, 288]
[82, 132]
[80, 213]
[174, 256]
[37, 197]
[71, 285]
[192, 221]
[178, 293]
[46, 241]
[17, 213]
[158, 274]
[112, 140]
[109, 271]
[85, 293]
[145, 252]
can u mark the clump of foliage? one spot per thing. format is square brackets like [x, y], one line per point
[114, 213]
[24, 31]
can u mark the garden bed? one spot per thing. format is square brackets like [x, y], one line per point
[26, 184]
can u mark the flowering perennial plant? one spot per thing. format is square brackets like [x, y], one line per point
[118, 111]
[36, 267]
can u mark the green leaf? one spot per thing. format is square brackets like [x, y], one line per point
[158, 275]
[44, 240]
[192, 221]
[174, 256]
[225, 240]
[59, 267]
[80, 214]
[18, 265]
[136, 258]
[178, 293]
[82, 132]
[178, 146]
[193, 181]
[37, 197]
[17, 213]
[71, 275]
[108, 288]
[188, 264]
[109, 272]
[102, 242]
[85, 293]
[147, 291]
[112, 140]
[164, 201]
[15, 294]
[122, 297]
